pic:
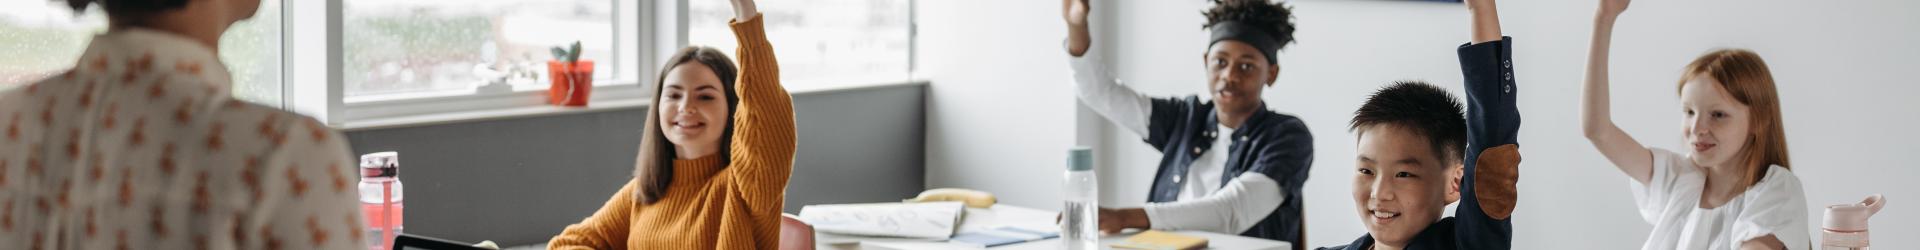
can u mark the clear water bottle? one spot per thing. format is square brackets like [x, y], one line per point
[380, 195]
[1081, 229]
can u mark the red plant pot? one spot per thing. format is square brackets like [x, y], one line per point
[572, 82]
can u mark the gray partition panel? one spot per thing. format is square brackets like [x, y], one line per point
[520, 181]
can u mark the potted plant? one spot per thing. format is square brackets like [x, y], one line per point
[572, 77]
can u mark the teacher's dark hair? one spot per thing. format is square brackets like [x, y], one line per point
[127, 8]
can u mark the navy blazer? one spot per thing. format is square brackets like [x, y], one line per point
[1487, 190]
[1269, 143]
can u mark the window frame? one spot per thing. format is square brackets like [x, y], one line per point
[646, 31]
[313, 77]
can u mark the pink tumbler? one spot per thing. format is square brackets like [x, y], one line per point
[1846, 224]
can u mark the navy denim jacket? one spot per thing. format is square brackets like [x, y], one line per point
[1487, 192]
[1269, 143]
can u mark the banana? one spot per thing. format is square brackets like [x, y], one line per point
[973, 198]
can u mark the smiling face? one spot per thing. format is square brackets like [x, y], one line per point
[1400, 185]
[1716, 126]
[693, 108]
[1236, 74]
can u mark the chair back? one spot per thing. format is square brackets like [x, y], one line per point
[795, 234]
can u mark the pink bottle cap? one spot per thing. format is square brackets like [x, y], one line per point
[1853, 217]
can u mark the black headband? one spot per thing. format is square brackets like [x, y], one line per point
[1252, 35]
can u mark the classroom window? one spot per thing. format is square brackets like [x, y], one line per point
[400, 49]
[41, 38]
[401, 58]
[820, 42]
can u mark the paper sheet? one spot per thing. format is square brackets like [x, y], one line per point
[933, 220]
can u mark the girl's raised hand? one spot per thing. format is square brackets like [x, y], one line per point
[744, 9]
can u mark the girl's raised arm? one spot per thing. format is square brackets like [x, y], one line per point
[1597, 121]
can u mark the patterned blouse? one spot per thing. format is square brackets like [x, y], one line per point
[139, 146]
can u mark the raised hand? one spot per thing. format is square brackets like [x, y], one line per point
[1480, 4]
[1486, 21]
[1075, 11]
[744, 9]
[1610, 9]
[1078, 38]
[1596, 122]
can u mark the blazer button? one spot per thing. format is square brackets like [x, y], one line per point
[1176, 179]
[1196, 150]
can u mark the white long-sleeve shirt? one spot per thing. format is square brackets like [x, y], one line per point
[1204, 203]
[140, 147]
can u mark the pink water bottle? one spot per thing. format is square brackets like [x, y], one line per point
[1846, 224]
[380, 196]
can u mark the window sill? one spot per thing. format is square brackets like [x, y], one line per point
[598, 105]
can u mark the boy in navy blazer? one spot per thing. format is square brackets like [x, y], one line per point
[1417, 153]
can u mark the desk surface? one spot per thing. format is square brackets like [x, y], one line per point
[1005, 215]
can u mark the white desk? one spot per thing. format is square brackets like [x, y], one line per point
[1005, 215]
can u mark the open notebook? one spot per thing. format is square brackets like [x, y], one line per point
[932, 220]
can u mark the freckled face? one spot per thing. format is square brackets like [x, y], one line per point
[1715, 125]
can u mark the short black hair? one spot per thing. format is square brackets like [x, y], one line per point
[1274, 18]
[1424, 109]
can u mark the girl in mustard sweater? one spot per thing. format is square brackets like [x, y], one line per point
[714, 158]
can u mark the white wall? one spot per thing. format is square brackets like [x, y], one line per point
[1840, 66]
[1000, 117]
[1000, 109]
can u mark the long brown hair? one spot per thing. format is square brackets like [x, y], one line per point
[1745, 76]
[653, 168]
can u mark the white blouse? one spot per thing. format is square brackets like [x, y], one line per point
[1670, 200]
[140, 147]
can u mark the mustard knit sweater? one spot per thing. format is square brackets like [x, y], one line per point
[710, 206]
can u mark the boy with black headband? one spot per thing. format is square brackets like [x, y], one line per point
[1230, 165]
[1411, 140]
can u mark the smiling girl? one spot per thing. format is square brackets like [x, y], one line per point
[714, 157]
[1732, 187]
